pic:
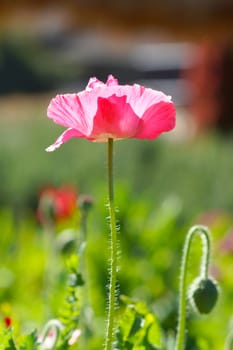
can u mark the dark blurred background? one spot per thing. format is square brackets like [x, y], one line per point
[184, 48]
[165, 45]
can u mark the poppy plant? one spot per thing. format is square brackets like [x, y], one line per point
[110, 110]
[105, 113]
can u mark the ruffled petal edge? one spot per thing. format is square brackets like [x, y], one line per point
[65, 136]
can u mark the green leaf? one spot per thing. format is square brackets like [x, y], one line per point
[126, 322]
[75, 280]
[72, 263]
[138, 328]
[154, 333]
[11, 345]
[29, 341]
[137, 325]
[6, 340]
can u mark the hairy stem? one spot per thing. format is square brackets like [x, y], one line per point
[204, 233]
[113, 249]
[229, 341]
[55, 326]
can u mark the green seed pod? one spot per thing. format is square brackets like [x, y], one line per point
[203, 295]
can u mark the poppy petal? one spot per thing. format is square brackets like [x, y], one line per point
[157, 119]
[115, 118]
[67, 135]
[67, 110]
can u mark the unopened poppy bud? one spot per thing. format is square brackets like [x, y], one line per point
[85, 202]
[204, 295]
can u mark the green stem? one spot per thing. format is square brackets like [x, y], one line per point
[229, 341]
[113, 248]
[81, 253]
[204, 233]
[55, 326]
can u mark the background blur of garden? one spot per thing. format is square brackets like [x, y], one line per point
[184, 49]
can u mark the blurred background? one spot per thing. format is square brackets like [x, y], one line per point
[182, 48]
[185, 49]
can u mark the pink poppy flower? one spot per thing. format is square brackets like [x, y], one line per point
[110, 110]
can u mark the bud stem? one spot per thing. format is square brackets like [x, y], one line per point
[229, 341]
[54, 325]
[205, 236]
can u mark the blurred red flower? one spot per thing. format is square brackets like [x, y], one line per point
[7, 321]
[56, 203]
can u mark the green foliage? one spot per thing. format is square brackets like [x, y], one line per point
[6, 340]
[138, 328]
[156, 170]
[29, 342]
[171, 187]
[70, 311]
[151, 244]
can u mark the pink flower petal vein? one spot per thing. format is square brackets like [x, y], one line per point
[109, 110]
